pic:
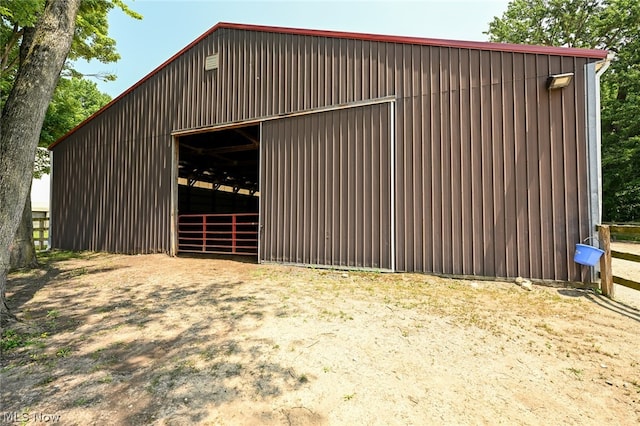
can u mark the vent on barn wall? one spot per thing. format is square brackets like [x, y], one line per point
[211, 62]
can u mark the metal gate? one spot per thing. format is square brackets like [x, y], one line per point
[235, 233]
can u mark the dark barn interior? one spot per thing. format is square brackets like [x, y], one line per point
[218, 191]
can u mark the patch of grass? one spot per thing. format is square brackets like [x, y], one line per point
[106, 379]
[209, 353]
[303, 378]
[11, 339]
[177, 371]
[46, 380]
[189, 365]
[576, 372]
[96, 354]
[60, 255]
[546, 327]
[25, 415]
[226, 369]
[116, 327]
[78, 272]
[63, 352]
[349, 396]
[53, 314]
[327, 314]
[97, 367]
[153, 385]
[8, 367]
[344, 316]
[39, 357]
[81, 402]
[625, 237]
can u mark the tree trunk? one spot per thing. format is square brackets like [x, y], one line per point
[22, 118]
[23, 251]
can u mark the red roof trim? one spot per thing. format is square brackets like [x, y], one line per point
[477, 45]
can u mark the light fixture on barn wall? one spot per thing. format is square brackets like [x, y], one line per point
[559, 81]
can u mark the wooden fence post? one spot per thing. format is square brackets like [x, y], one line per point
[606, 276]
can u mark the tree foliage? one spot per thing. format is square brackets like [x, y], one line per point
[621, 137]
[91, 38]
[75, 98]
[613, 25]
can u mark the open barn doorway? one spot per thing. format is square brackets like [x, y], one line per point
[218, 198]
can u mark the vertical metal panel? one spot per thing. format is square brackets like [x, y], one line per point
[491, 167]
[500, 181]
[326, 188]
[111, 191]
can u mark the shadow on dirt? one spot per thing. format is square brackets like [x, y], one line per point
[604, 302]
[129, 352]
[24, 284]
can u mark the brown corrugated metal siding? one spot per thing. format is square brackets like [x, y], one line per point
[490, 165]
[326, 188]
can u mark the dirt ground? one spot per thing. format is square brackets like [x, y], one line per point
[136, 340]
[629, 270]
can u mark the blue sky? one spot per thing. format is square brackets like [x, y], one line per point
[169, 25]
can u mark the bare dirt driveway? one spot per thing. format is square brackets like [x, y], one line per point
[629, 270]
[136, 340]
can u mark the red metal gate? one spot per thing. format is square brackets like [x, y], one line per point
[235, 233]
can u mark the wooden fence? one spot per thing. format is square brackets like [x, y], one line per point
[40, 232]
[606, 274]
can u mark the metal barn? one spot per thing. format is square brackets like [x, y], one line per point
[344, 150]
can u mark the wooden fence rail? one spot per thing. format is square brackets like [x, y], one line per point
[606, 274]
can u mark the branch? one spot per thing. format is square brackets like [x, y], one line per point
[10, 64]
[15, 36]
[27, 40]
[103, 76]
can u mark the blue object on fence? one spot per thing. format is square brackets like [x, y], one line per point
[587, 255]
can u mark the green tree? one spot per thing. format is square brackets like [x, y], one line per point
[605, 24]
[621, 137]
[91, 41]
[38, 37]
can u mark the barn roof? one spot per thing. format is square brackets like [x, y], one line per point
[476, 45]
